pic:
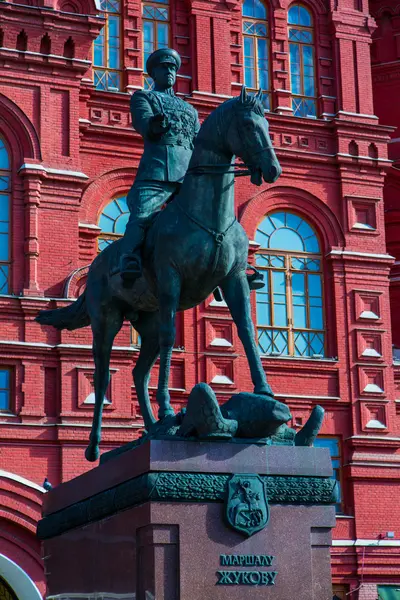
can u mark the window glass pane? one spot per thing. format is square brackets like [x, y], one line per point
[263, 232]
[295, 80]
[305, 230]
[4, 207]
[112, 210]
[286, 239]
[263, 78]
[263, 305]
[293, 221]
[162, 35]
[249, 64]
[309, 89]
[4, 400]
[316, 318]
[148, 32]
[121, 223]
[293, 15]
[299, 300]
[113, 58]
[4, 247]
[314, 285]
[305, 17]
[122, 204]
[278, 220]
[331, 443]
[279, 298]
[98, 59]
[249, 47]
[294, 50]
[113, 27]
[4, 158]
[4, 379]
[254, 8]
[249, 77]
[4, 183]
[301, 345]
[4, 276]
[308, 56]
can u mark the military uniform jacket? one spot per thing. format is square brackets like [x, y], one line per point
[165, 158]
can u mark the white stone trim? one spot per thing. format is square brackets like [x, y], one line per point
[221, 343]
[345, 154]
[221, 380]
[353, 114]
[382, 438]
[302, 358]
[211, 94]
[307, 397]
[26, 344]
[361, 254]
[18, 580]
[98, 596]
[30, 53]
[366, 542]
[34, 167]
[88, 226]
[23, 480]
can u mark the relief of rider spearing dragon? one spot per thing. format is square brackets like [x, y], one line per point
[171, 259]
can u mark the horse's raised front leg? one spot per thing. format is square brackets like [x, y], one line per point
[147, 326]
[104, 331]
[169, 290]
[237, 296]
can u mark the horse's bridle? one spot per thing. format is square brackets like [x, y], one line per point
[237, 170]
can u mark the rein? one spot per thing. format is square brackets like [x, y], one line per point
[217, 235]
[237, 169]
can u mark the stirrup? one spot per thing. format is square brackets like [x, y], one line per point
[255, 279]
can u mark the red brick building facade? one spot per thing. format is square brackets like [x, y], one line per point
[325, 236]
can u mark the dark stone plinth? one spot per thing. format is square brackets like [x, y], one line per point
[151, 525]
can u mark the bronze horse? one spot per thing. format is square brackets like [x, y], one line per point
[194, 245]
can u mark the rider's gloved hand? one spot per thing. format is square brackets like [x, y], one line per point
[159, 124]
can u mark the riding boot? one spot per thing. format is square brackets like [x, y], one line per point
[130, 264]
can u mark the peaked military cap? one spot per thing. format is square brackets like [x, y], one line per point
[163, 55]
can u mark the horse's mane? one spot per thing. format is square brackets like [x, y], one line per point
[217, 119]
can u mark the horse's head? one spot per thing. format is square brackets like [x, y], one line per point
[248, 138]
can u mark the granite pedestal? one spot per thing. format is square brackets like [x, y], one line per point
[151, 524]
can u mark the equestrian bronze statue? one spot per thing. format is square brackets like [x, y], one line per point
[192, 247]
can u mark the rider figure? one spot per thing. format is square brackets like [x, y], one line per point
[168, 126]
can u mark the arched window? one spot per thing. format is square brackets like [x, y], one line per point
[290, 319]
[4, 219]
[107, 49]
[6, 592]
[113, 222]
[155, 32]
[256, 48]
[302, 61]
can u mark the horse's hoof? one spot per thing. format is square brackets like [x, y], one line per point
[163, 413]
[92, 453]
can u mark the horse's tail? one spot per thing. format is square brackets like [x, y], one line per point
[69, 317]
